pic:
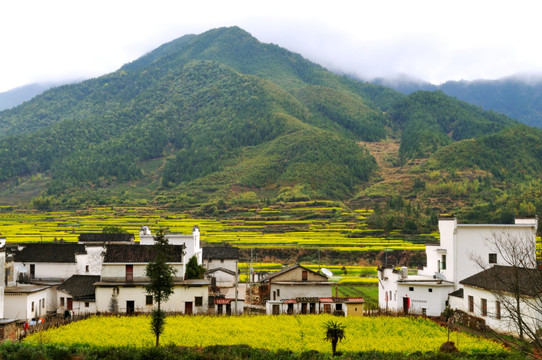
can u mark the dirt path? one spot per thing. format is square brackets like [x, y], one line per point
[386, 154]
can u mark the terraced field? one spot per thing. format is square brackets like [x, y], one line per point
[302, 226]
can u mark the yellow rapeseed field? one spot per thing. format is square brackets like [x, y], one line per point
[295, 333]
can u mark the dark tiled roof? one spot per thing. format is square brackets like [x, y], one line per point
[507, 279]
[458, 293]
[115, 253]
[50, 252]
[80, 287]
[220, 252]
[110, 238]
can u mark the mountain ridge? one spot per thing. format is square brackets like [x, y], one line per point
[222, 117]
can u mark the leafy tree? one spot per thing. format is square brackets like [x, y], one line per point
[193, 269]
[113, 230]
[334, 333]
[161, 275]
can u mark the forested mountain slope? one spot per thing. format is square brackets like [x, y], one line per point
[220, 118]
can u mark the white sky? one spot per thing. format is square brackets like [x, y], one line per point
[433, 40]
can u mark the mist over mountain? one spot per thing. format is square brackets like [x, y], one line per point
[519, 97]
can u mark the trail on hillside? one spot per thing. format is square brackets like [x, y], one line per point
[386, 154]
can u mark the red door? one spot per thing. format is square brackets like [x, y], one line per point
[188, 308]
[70, 304]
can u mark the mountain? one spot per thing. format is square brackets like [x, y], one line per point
[217, 105]
[17, 96]
[517, 97]
[220, 119]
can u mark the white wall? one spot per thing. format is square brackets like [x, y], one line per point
[78, 307]
[218, 263]
[117, 272]
[94, 260]
[292, 291]
[19, 305]
[50, 270]
[192, 243]
[505, 325]
[464, 243]
[176, 302]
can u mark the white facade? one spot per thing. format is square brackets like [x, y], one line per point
[500, 321]
[64, 300]
[28, 301]
[52, 270]
[462, 245]
[229, 264]
[189, 297]
[463, 248]
[223, 277]
[402, 293]
[191, 242]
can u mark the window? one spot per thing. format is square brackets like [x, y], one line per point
[430, 290]
[87, 268]
[278, 292]
[87, 304]
[304, 275]
[32, 306]
[198, 300]
[492, 258]
[498, 310]
[62, 301]
[339, 307]
[129, 273]
[471, 304]
[484, 307]
[148, 300]
[424, 311]
[222, 261]
[411, 288]
[443, 262]
[43, 303]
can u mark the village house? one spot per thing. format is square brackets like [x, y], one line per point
[77, 295]
[49, 263]
[28, 301]
[299, 290]
[220, 263]
[464, 250]
[490, 295]
[122, 284]
[191, 242]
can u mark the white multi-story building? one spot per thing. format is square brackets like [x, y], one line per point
[122, 284]
[191, 242]
[463, 250]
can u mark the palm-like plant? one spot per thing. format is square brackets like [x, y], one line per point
[334, 333]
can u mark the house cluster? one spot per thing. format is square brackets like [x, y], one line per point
[476, 268]
[106, 273]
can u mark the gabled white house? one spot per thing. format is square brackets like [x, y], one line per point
[122, 284]
[191, 243]
[77, 295]
[491, 296]
[49, 262]
[299, 288]
[27, 301]
[462, 250]
[220, 263]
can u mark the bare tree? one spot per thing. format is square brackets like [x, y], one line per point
[515, 281]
